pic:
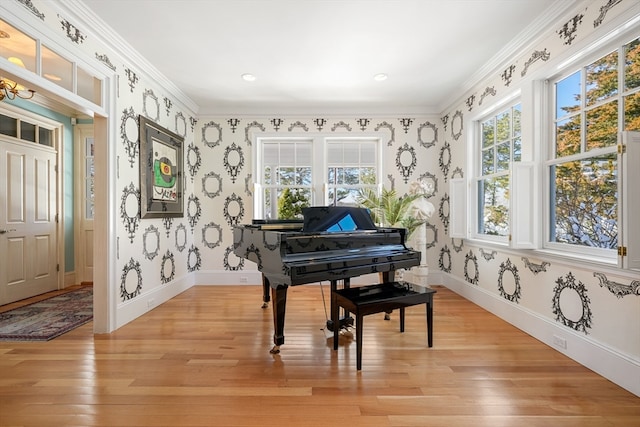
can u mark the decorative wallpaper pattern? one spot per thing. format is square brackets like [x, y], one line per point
[569, 298]
[569, 284]
[218, 151]
[471, 268]
[510, 268]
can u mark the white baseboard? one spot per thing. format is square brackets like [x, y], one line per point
[254, 277]
[223, 277]
[615, 366]
[147, 301]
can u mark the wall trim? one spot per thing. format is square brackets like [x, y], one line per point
[528, 37]
[224, 277]
[136, 307]
[92, 24]
[254, 278]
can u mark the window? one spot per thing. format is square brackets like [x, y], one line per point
[89, 178]
[26, 130]
[499, 145]
[351, 166]
[592, 106]
[29, 53]
[297, 172]
[286, 177]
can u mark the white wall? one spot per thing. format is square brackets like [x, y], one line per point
[607, 336]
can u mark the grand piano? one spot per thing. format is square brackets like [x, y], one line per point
[333, 243]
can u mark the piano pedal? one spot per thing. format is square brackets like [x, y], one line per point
[347, 322]
[344, 323]
[275, 349]
[346, 333]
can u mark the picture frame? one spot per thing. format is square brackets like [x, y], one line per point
[161, 171]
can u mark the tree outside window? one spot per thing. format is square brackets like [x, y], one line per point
[300, 171]
[500, 145]
[352, 165]
[286, 178]
[584, 169]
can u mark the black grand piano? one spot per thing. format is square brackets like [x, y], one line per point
[331, 243]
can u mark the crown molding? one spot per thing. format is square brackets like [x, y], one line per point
[107, 35]
[524, 40]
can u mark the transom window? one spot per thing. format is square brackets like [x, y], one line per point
[30, 53]
[26, 130]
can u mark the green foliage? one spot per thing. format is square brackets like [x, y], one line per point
[495, 209]
[585, 198]
[390, 210]
[290, 204]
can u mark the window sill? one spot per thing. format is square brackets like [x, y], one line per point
[569, 258]
[578, 258]
[488, 243]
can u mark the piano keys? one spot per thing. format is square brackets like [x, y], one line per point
[331, 243]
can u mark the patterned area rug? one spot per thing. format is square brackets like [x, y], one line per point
[47, 319]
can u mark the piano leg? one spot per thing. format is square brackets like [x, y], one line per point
[266, 289]
[279, 304]
[337, 323]
[388, 276]
[334, 314]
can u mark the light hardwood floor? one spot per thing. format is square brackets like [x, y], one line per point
[202, 359]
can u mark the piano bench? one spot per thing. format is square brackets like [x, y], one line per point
[370, 299]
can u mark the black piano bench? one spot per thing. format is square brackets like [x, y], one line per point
[370, 299]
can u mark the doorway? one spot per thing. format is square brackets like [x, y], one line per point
[84, 147]
[29, 220]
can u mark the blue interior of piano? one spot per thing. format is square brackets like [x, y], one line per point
[347, 223]
[335, 219]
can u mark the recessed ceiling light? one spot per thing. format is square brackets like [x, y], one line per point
[247, 77]
[380, 77]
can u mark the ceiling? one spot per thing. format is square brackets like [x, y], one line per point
[320, 56]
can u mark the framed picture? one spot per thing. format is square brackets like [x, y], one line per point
[161, 171]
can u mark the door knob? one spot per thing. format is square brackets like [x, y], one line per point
[7, 231]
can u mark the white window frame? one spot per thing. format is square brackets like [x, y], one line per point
[319, 186]
[260, 182]
[475, 161]
[477, 169]
[328, 186]
[586, 57]
[523, 182]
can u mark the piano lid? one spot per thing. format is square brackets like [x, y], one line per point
[336, 219]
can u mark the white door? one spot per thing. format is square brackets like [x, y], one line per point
[28, 237]
[84, 145]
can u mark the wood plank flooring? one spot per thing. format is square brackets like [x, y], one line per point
[202, 359]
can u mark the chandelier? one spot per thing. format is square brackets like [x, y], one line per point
[10, 89]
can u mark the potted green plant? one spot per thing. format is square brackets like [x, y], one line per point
[390, 210]
[410, 211]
